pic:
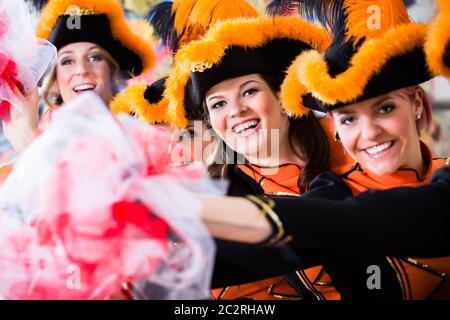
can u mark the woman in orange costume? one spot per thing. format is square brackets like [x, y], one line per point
[304, 146]
[96, 52]
[368, 81]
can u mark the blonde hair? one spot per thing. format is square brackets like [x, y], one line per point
[53, 99]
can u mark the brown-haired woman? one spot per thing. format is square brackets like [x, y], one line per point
[260, 147]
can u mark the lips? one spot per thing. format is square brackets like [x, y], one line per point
[85, 87]
[245, 126]
[378, 149]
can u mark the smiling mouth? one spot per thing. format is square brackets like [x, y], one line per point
[84, 88]
[246, 126]
[379, 149]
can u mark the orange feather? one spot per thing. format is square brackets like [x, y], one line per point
[371, 18]
[194, 17]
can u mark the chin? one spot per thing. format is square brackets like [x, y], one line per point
[382, 169]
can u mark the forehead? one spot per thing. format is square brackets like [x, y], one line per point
[234, 83]
[78, 47]
[368, 105]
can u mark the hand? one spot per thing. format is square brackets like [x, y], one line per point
[22, 126]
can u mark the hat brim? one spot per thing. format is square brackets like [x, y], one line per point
[247, 34]
[135, 100]
[390, 62]
[105, 25]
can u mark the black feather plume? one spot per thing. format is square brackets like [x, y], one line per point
[162, 20]
[37, 4]
[281, 7]
[409, 3]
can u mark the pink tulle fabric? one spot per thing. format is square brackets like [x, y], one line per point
[24, 59]
[93, 203]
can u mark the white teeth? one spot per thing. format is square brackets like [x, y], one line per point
[249, 124]
[83, 87]
[379, 148]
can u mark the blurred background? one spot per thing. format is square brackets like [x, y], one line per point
[420, 11]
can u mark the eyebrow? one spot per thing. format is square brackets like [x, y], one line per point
[66, 52]
[240, 88]
[247, 82]
[376, 104]
[381, 101]
[71, 51]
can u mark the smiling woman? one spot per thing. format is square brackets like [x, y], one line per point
[84, 67]
[237, 79]
[95, 46]
[96, 52]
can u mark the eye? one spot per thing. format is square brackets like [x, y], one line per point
[250, 92]
[66, 61]
[218, 104]
[388, 108]
[96, 57]
[347, 120]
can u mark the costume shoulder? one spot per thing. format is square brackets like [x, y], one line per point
[328, 185]
[240, 184]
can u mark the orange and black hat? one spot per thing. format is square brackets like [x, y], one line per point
[181, 21]
[147, 102]
[102, 22]
[234, 48]
[143, 101]
[438, 41]
[375, 49]
[177, 23]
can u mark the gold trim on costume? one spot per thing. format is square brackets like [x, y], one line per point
[222, 293]
[281, 295]
[280, 193]
[77, 11]
[399, 277]
[267, 209]
[428, 269]
[308, 285]
[317, 281]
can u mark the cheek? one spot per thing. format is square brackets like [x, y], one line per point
[62, 79]
[218, 122]
[349, 139]
[266, 109]
[103, 73]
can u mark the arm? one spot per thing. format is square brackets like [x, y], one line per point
[401, 221]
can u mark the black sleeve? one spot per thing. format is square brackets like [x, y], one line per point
[238, 263]
[402, 221]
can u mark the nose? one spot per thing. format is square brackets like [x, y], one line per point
[371, 130]
[237, 109]
[82, 67]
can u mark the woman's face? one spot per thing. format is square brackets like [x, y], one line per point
[381, 133]
[247, 115]
[82, 67]
[192, 143]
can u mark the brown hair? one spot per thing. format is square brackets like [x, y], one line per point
[306, 137]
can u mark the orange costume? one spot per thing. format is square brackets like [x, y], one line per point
[419, 278]
[283, 181]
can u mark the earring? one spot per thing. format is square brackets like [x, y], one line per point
[418, 117]
[336, 136]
